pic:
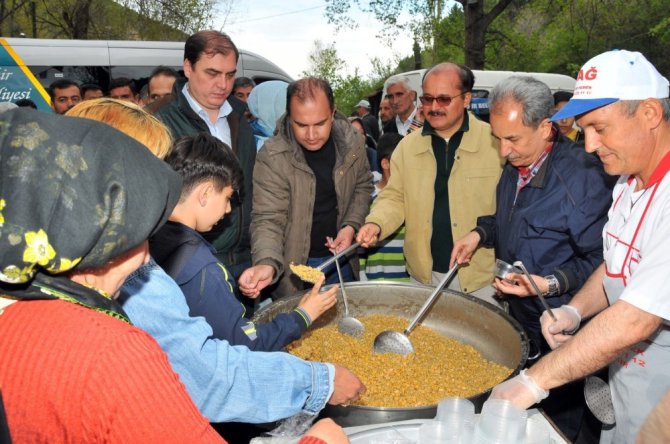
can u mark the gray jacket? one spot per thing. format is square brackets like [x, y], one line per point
[284, 192]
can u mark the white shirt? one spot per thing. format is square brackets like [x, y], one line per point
[637, 244]
[403, 127]
[220, 129]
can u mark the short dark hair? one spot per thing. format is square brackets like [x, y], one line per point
[243, 82]
[386, 145]
[210, 43]
[305, 89]
[90, 87]
[163, 70]
[26, 103]
[562, 96]
[120, 82]
[203, 157]
[62, 84]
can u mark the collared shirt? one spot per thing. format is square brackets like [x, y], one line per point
[403, 127]
[220, 129]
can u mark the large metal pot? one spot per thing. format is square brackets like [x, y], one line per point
[489, 329]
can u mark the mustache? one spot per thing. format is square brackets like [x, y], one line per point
[434, 113]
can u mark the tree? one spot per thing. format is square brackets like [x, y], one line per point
[325, 63]
[107, 19]
[425, 22]
[188, 16]
[477, 23]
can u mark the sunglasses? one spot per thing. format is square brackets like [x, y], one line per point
[428, 100]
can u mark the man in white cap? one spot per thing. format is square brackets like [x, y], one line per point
[621, 102]
[370, 124]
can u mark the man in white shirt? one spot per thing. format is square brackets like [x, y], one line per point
[204, 103]
[621, 102]
[402, 98]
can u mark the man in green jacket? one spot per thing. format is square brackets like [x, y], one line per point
[442, 178]
[204, 103]
[312, 190]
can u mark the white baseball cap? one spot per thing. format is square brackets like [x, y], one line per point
[364, 103]
[611, 76]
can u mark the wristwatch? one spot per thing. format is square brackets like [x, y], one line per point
[553, 287]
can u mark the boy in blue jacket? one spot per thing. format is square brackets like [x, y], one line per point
[211, 177]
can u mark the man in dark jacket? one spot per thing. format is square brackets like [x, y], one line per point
[552, 202]
[204, 104]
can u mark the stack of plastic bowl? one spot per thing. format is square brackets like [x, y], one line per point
[453, 424]
[500, 422]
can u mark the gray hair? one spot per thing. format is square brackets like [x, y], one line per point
[404, 80]
[534, 97]
[629, 107]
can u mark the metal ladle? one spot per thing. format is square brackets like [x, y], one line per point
[598, 398]
[520, 266]
[348, 325]
[395, 342]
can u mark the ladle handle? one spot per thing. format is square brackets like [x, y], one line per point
[347, 250]
[522, 267]
[344, 293]
[447, 277]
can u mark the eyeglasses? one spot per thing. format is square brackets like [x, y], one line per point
[427, 100]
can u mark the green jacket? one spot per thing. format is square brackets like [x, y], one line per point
[284, 192]
[409, 197]
[230, 237]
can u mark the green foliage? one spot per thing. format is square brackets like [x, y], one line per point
[108, 20]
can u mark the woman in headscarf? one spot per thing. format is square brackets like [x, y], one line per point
[237, 380]
[267, 102]
[77, 202]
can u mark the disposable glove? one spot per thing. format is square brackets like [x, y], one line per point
[558, 332]
[521, 390]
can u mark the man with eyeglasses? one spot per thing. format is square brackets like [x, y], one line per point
[443, 177]
[552, 202]
[402, 99]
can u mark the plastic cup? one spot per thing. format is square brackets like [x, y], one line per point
[500, 422]
[448, 408]
[437, 432]
[537, 432]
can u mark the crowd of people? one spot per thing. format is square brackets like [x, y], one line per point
[140, 229]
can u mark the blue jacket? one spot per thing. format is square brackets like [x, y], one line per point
[226, 383]
[555, 226]
[189, 259]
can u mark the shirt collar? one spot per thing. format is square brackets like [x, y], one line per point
[195, 106]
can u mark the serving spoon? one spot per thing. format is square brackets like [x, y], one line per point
[395, 342]
[348, 325]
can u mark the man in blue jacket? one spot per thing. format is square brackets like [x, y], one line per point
[552, 202]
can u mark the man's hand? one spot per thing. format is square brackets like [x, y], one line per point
[560, 331]
[368, 235]
[328, 431]
[517, 284]
[254, 279]
[345, 237]
[464, 248]
[348, 388]
[315, 303]
[521, 390]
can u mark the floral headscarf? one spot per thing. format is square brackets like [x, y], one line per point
[73, 193]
